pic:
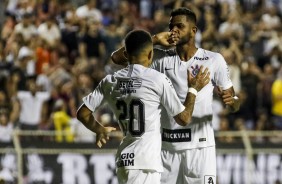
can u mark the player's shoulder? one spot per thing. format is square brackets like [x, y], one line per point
[211, 55]
[108, 79]
[155, 76]
[154, 73]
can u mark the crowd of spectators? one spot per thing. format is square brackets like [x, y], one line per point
[53, 52]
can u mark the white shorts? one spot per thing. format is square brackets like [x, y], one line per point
[137, 176]
[194, 166]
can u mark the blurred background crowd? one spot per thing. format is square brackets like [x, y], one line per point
[54, 52]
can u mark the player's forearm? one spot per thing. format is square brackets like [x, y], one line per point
[184, 118]
[155, 40]
[84, 115]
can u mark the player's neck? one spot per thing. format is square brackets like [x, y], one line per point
[186, 52]
[140, 61]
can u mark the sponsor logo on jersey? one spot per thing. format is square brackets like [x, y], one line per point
[202, 58]
[178, 135]
[126, 159]
[209, 179]
[129, 85]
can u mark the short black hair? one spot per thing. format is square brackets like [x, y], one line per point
[185, 11]
[136, 40]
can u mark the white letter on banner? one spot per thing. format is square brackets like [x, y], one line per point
[74, 168]
[259, 170]
[224, 168]
[238, 173]
[273, 163]
[104, 168]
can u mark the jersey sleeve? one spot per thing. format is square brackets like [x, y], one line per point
[158, 54]
[96, 98]
[222, 73]
[169, 98]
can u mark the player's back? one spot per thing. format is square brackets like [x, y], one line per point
[135, 95]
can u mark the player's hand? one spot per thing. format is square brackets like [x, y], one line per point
[226, 96]
[200, 80]
[166, 38]
[103, 136]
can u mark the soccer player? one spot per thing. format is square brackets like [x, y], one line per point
[137, 95]
[192, 159]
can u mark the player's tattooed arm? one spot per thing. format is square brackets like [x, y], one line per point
[119, 58]
[167, 39]
[162, 38]
[85, 116]
[195, 84]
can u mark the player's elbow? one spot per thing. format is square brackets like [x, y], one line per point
[182, 120]
[114, 57]
[83, 113]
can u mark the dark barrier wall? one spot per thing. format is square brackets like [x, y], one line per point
[99, 168]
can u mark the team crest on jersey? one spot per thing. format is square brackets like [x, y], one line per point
[195, 70]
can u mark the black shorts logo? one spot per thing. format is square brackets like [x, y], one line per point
[179, 135]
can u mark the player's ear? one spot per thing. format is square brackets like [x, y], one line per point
[194, 29]
[125, 54]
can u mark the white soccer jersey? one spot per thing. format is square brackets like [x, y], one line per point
[136, 95]
[199, 133]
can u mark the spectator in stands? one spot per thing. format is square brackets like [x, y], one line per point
[250, 79]
[92, 45]
[264, 92]
[12, 47]
[7, 118]
[8, 28]
[271, 18]
[33, 109]
[26, 27]
[19, 71]
[24, 7]
[70, 38]
[112, 37]
[42, 54]
[50, 32]
[62, 122]
[6, 127]
[89, 11]
[231, 27]
[276, 92]
[11, 7]
[234, 68]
